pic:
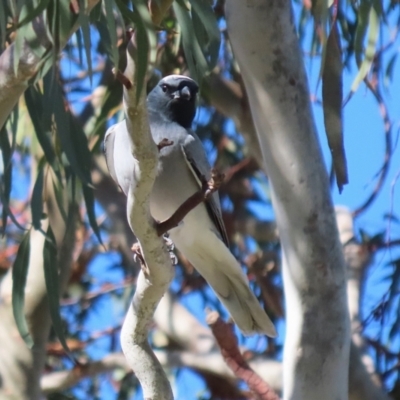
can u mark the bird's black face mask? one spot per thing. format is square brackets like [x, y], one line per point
[183, 104]
[175, 99]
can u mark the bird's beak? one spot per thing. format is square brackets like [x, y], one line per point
[184, 94]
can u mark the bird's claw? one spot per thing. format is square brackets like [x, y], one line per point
[164, 143]
[170, 247]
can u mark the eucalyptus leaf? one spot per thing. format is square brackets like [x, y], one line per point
[206, 15]
[6, 178]
[52, 287]
[37, 198]
[194, 56]
[332, 96]
[369, 52]
[112, 29]
[85, 28]
[19, 276]
[42, 125]
[89, 202]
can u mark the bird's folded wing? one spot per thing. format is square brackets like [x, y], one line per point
[197, 162]
[109, 151]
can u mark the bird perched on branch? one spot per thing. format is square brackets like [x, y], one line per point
[201, 236]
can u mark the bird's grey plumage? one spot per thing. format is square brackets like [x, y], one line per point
[201, 236]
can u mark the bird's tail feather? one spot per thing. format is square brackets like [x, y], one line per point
[224, 274]
[244, 307]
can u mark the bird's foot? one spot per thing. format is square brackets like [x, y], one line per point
[170, 247]
[164, 143]
[215, 182]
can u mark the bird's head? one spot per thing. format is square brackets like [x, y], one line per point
[175, 98]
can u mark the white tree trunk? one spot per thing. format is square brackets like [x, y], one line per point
[316, 353]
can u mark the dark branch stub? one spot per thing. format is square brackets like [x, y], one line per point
[207, 189]
[228, 343]
[164, 143]
[122, 78]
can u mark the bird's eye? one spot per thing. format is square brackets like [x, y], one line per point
[164, 88]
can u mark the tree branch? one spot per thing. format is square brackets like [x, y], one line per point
[151, 285]
[228, 344]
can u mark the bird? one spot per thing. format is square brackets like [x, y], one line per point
[201, 236]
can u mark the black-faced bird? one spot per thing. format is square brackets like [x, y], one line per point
[201, 236]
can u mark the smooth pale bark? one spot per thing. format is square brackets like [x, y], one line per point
[156, 276]
[316, 354]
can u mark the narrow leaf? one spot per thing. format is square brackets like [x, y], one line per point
[30, 10]
[332, 96]
[3, 24]
[72, 138]
[89, 202]
[369, 52]
[206, 15]
[34, 104]
[112, 31]
[58, 192]
[52, 286]
[194, 56]
[85, 28]
[146, 44]
[361, 30]
[37, 199]
[6, 179]
[19, 275]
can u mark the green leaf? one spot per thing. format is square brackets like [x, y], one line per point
[395, 284]
[361, 30]
[111, 100]
[369, 52]
[30, 10]
[52, 286]
[146, 44]
[58, 192]
[3, 24]
[72, 138]
[112, 31]
[194, 56]
[332, 96]
[41, 123]
[6, 179]
[95, 13]
[19, 275]
[390, 68]
[205, 13]
[37, 198]
[85, 28]
[89, 202]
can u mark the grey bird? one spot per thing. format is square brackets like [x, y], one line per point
[201, 236]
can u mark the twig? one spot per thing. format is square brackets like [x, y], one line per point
[388, 147]
[193, 201]
[228, 343]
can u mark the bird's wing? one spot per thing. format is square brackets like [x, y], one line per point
[120, 162]
[197, 162]
[109, 151]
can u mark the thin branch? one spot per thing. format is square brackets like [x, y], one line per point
[208, 188]
[228, 343]
[374, 88]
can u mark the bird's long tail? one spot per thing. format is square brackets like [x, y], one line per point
[224, 274]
